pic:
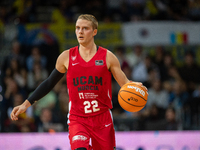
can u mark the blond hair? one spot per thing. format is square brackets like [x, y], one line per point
[90, 18]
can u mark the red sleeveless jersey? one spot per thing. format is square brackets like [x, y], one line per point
[88, 83]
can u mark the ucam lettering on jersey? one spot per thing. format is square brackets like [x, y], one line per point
[136, 89]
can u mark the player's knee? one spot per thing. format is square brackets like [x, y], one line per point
[81, 148]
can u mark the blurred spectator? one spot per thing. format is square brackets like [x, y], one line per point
[113, 5]
[194, 10]
[141, 71]
[135, 56]
[178, 97]
[120, 52]
[62, 106]
[16, 72]
[5, 15]
[156, 10]
[8, 98]
[153, 74]
[47, 123]
[36, 75]
[168, 62]
[196, 92]
[48, 101]
[124, 13]
[11, 90]
[24, 10]
[167, 86]
[190, 114]
[173, 74]
[64, 13]
[170, 119]
[97, 8]
[179, 94]
[178, 10]
[161, 119]
[14, 54]
[25, 122]
[190, 71]
[136, 8]
[152, 118]
[107, 19]
[35, 56]
[157, 95]
[158, 58]
[118, 10]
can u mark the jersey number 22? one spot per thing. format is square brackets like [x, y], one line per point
[91, 106]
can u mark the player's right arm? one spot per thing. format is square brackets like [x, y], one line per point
[46, 86]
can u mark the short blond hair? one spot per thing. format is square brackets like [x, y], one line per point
[90, 18]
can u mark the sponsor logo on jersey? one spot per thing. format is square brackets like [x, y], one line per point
[83, 88]
[87, 80]
[81, 96]
[87, 83]
[136, 89]
[98, 62]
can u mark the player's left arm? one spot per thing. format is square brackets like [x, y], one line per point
[115, 68]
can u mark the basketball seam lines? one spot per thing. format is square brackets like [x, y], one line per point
[131, 104]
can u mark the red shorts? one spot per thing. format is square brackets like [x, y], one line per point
[99, 129]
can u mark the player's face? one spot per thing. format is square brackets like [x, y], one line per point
[84, 31]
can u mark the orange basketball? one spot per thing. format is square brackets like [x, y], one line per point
[132, 97]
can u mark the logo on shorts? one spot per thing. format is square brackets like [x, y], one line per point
[79, 138]
[108, 124]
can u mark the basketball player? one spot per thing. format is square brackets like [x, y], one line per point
[89, 69]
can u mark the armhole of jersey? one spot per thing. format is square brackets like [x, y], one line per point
[69, 65]
[71, 50]
[106, 51]
[106, 59]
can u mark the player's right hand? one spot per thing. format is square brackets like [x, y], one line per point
[16, 111]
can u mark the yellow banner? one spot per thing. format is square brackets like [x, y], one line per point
[108, 36]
